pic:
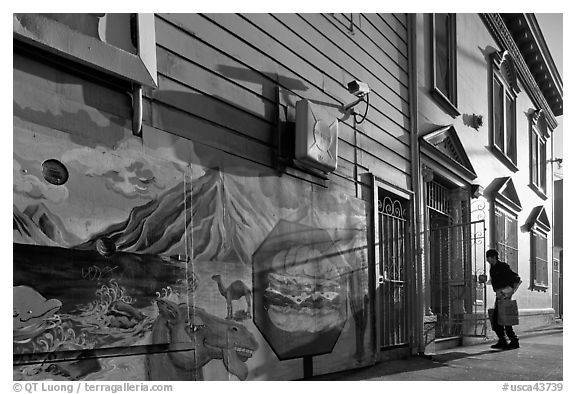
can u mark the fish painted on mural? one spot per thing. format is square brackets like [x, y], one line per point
[33, 314]
[191, 346]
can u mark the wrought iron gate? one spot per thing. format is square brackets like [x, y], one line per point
[392, 256]
[457, 270]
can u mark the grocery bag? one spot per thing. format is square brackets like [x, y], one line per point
[507, 312]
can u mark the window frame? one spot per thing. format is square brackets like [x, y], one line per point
[503, 246]
[60, 39]
[538, 265]
[503, 72]
[538, 143]
[448, 102]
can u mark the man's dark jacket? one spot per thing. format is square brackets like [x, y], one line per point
[502, 275]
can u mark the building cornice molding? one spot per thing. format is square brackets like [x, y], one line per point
[502, 35]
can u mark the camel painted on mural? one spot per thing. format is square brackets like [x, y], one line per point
[193, 342]
[234, 291]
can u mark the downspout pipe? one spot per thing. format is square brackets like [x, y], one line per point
[418, 304]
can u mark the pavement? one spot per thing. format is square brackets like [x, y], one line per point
[539, 358]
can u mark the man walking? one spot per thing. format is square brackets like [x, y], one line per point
[505, 282]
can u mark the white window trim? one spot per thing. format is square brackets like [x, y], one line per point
[58, 38]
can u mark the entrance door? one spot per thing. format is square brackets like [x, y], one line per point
[392, 254]
[458, 293]
[557, 286]
[456, 245]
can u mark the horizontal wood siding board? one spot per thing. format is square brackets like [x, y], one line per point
[382, 51]
[397, 21]
[207, 107]
[236, 49]
[384, 170]
[378, 24]
[339, 66]
[270, 47]
[345, 169]
[193, 49]
[183, 124]
[396, 147]
[395, 25]
[255, 60]
[331, 29]
[267, 46]
[200, 79]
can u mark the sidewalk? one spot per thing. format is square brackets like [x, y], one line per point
[538, 359]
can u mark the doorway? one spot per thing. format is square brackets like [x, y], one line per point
[456, 248]
[392, 255]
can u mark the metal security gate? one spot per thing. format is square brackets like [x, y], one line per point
[391, 256]
[457, 270]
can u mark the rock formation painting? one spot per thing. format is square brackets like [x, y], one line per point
[225, 275]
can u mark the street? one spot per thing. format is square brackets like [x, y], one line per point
[538, 359]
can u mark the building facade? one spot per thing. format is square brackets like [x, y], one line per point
[271, 197]
[488, 98]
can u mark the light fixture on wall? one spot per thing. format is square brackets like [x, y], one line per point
[557, 160]
[476, 191]
[362, 91]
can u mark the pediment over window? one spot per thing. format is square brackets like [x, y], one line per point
[503, 191]
[444, 143]
[504, 62]
[538, 217]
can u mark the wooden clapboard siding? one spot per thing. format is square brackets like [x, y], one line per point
[361, 66]
[397, 39]
[207, 107]
[202, 80]
[360, 33]
[202, 54]
[179, 122]
[251, 32]
[221, 72]
[327, 51]
[400, 19]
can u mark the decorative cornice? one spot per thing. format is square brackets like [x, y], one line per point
[505, 63]
[535, 115]
[502, 35]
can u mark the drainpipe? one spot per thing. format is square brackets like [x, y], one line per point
[553, 197]
[418, 304]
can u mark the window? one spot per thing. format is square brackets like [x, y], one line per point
[506, 237]
[539, 226]
[506, 206]
[539, 261]
[538, 160]
[443, 35]
[504, 91]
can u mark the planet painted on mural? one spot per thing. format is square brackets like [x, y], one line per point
[105, 246]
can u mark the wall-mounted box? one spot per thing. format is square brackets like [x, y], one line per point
[316, 139]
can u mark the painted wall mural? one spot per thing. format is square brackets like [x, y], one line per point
[231, 271]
